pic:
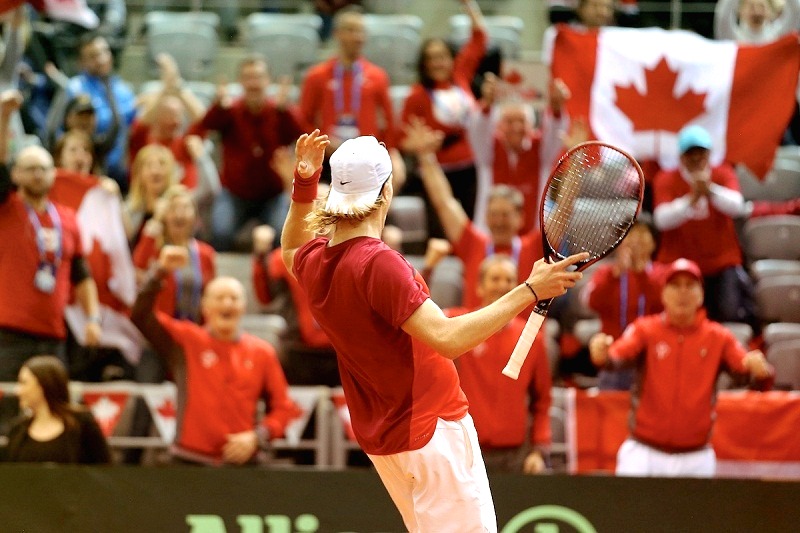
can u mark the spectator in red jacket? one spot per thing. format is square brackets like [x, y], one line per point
[679, 353]
[511, 442]
[220, 372]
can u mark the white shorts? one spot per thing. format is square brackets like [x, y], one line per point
[637, 459]
[442, 487]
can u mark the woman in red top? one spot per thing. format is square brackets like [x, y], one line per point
[174, 223]
[443, 100]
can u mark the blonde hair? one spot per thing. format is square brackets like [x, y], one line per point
[320, 221]
[136, 196]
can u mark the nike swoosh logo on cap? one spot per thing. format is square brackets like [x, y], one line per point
[345, 182]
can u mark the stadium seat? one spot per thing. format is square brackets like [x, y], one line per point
[504, 32]
[408, 213]
[778, 298]
[785, 357]
[781, 331]
[270, 328]
[743, 332]
[447, 282]
[585, 329]
[781, 183]
[239, 266]
[205, 91]
[393, 43]
[773, 237]
[765, 268]
[290, 42]
[189, 37]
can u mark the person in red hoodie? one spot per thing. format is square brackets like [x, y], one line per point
[679, 352]
[507, 443]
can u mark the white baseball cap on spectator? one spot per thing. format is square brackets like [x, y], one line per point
[359, 168]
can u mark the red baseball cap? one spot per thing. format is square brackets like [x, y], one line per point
[683, 265]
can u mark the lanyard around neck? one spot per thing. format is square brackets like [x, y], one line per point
[355, 89]
[41, 245]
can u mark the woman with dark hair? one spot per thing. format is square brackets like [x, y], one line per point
[443, 100]
[53, 430]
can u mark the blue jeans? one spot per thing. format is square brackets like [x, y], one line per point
[230, 212]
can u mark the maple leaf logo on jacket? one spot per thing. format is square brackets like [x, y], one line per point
[647, 110]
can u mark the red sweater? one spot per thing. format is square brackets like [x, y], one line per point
[374, 115]
[248, 142]
[674, 400]
[523, 174]
[490, 392]
[456, 149]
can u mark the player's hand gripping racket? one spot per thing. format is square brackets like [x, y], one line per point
[589, 204]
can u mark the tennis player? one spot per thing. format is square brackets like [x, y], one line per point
[407, 408]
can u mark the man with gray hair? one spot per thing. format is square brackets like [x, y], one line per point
[394, 344]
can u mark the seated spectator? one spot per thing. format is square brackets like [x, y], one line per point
[174, 224]
[252, 128]
[679, 354]
[443, 100]
[162, 119]
[112, 98]
[511, 442]
[53, 430]
[220, 372]
[755, 21]
[695, 207]
[623, 291]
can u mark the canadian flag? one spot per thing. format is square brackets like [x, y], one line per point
[106, 408]
[161, 400]
[105, 247]
[639, 87]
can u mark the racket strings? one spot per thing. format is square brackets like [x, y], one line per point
[591, 200]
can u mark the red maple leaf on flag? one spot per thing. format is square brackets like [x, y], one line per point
[167, 409]
[658, 108]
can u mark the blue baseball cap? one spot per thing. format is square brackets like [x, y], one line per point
[693, 136]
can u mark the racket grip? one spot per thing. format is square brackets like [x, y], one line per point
[524, 344]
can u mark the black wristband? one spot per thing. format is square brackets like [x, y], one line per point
[533, 291]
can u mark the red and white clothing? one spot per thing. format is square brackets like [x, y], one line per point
[673, 402]
[619, 300]
[181, 292]
[219, 382]
[273, 268]
[396, 387]
[447, 106]
[248, 143]
[348, 102]
[705, 232]
[490, 392]
[475, 246]
[25, 308]
[140, 136]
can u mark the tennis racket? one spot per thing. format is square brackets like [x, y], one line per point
[589, 204]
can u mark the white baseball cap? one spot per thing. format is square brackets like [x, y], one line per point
[359, 168]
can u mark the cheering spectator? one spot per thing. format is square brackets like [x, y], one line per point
[220, 372]
[251, 128]
[510, 443]
[680, 354]
[443, 100]
[174, 223]
[55, 430]
[152, 173]
[41, 259]
[589, 15]
[623, 291]
[347, 96]
[695, 205]
[755, 21]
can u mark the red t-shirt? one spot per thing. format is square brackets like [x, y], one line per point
[475, 246]
[146, 253]
[711, 242]
[310, 331]
[139, 137]
[220, 385]
[248, 142]
[490, 392]
[456, 149]
[522, 174]
[24, 307]
[396, 387]
[321, 91]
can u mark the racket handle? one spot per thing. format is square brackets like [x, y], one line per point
[524, 344]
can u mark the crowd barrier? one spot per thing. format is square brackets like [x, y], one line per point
[755, 434]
